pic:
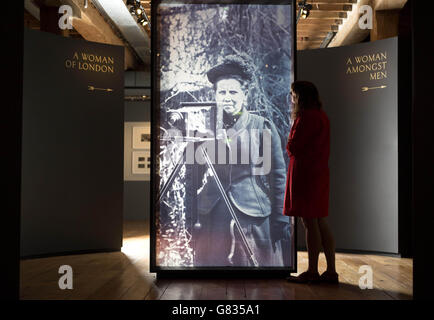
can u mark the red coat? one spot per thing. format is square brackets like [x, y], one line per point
[307, 183]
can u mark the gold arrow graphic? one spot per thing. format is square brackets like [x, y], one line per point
[92, 88]
[364, 89]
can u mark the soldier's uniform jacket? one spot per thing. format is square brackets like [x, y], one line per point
[252, 193]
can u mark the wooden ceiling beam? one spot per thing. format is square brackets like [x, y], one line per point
[350, 32]
[319, 2]
[331, 7]
[388, 4]
[311, 41]
[319, 22]
[327, 15]
[307, 45]
[310, 38]
[322, 28]
[312, 32]
[93, 27]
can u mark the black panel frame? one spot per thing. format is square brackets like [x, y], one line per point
[12, 28]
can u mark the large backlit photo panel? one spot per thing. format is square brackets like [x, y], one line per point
[221, 106]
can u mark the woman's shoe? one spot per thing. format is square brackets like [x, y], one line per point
[329, 277]
[305, 277]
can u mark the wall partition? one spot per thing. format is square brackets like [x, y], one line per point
[358, 85]
[72, 167]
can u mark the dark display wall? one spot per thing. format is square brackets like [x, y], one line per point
[137, 188]
[359, 89]
[72, 171]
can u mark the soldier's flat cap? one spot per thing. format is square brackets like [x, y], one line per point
[231, 66]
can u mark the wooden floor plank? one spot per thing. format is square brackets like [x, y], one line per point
[294, 291]
[125, 275]
[137, 291]
[184, 289]
[395, 280]
[157, 289]
[402, 272]
[264, 289]
[214, 289]
[118, 285]
[380, 279]
[235, 289]
[88, 276]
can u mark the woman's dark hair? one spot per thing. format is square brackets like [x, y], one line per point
[307, 97]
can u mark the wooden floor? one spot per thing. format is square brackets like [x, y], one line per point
[125, 275]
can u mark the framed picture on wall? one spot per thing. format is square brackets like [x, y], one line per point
[142, 137]
[220, 119]
[141, 162]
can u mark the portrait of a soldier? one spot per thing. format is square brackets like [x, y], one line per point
[253, 177]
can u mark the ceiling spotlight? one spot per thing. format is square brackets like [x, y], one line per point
[142, 20]
[137, 10]
[305, 13]
[304, 10]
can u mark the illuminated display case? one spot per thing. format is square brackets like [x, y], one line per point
[221, 75]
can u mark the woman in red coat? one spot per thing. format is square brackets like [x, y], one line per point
[307, 186]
